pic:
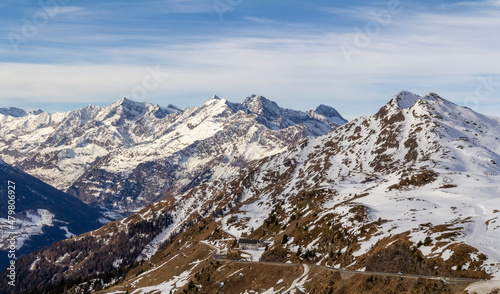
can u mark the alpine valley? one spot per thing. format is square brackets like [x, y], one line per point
[42, 214]
[403, 201]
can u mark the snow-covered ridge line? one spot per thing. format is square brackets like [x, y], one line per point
[128, 154]
[17, 112]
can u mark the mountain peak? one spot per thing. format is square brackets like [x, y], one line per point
[171, 106]
[405, 99]
[13, 111]
[36, 112]
[18, 112]
[330, 113]
[132, 109]
[128, 102]
[216, 100]
[262, 106]
[257, 98]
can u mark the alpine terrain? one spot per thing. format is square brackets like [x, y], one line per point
[402, 201]
[130, 154]
[42, 214]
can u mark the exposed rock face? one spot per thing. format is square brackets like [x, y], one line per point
[129, 154]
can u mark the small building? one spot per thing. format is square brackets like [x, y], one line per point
[248, 244]
[466, 139]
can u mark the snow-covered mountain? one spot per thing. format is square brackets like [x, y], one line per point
[42, 214]
[275, 117]
[413, 189]
[124, 156]
[17, 112]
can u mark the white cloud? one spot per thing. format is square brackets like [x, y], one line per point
[64, 10]
[64, 83]
[353, 13]
[187, 6]
[260, 20]
[472, 4]
[417, 51]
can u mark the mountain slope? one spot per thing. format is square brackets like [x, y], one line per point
[410, 189]
[129, 154]
[381, 187]
[43, 215]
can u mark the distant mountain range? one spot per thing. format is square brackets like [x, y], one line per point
[17, 112]
[129, 154]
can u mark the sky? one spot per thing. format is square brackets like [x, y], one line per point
[60, 55]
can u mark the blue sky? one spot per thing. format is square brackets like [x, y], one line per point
[60, 55]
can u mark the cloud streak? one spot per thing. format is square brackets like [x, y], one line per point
[444, 51]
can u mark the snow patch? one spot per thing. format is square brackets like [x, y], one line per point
[67, 233]
[447, 254]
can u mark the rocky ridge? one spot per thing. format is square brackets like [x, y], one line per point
[129, 154]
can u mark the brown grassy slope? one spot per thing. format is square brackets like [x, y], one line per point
[324, 281]
[186, 252]
[238, 278]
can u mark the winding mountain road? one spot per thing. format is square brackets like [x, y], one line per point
[449, 280]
